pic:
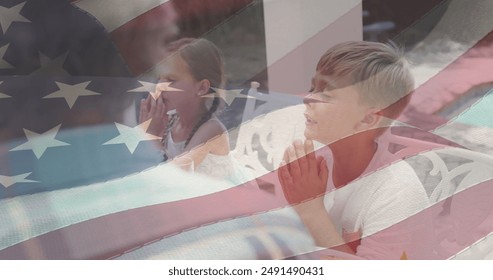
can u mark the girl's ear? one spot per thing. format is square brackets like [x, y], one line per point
[204, 86]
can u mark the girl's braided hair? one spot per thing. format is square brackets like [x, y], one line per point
[204, 61]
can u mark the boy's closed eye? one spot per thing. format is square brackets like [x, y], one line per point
[325, 94]
[316, 96]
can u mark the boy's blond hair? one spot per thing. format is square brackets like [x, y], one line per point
[379, 72]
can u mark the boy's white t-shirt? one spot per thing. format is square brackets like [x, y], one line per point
[368, 207]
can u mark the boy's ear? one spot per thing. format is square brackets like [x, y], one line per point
[371, 119]
[204, 86]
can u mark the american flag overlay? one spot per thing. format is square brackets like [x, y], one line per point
[80, 178]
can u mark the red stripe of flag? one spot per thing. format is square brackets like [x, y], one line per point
[449, 85]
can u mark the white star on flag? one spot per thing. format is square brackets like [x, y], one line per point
[52, 67]
[38, 143]
[4, 64]
[151, 88]
[8, 181]
[2, 95]
[132, 136]
[9, 15]
[229, 95]
[71, 92]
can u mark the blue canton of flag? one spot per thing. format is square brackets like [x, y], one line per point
[64, 89]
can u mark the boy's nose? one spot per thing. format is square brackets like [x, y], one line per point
[309, 99]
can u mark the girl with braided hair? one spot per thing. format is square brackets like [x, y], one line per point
[189, 79]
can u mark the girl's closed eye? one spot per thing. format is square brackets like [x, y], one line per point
[167, 79]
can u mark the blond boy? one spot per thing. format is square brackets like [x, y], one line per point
[357, 89]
